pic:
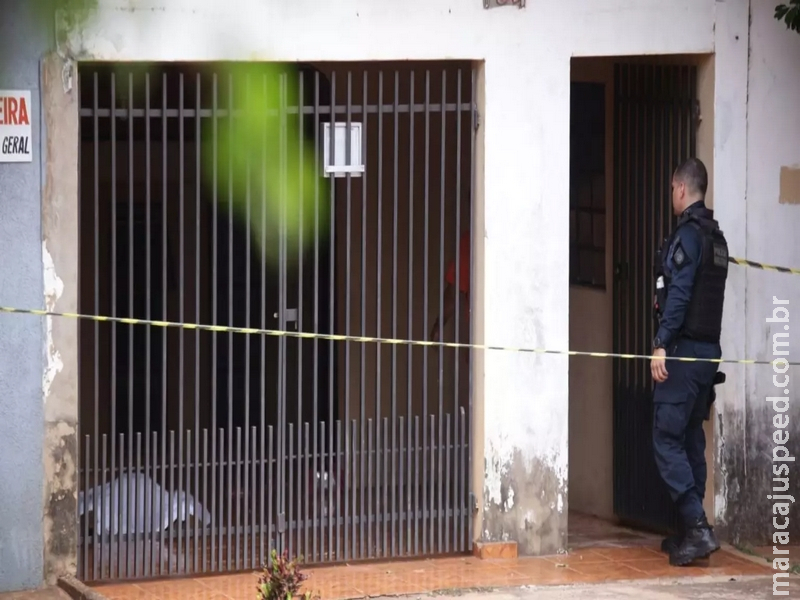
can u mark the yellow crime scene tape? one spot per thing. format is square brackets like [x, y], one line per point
[396, 341]
[363, 339]
[757, 265]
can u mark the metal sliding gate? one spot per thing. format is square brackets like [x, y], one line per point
[655, 130]
[337, 204]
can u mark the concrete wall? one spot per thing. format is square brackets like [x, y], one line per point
[762, 225]
[22, 46]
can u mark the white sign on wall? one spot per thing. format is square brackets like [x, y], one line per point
[16, 139]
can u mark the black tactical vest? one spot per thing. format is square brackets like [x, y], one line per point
[703, 321]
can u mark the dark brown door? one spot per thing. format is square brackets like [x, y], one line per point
[655, 129]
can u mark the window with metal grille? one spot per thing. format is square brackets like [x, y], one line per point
[587, 194]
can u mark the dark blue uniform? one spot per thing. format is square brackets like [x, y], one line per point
[681, 402]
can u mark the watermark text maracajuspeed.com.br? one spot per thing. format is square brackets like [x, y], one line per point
[781, 458]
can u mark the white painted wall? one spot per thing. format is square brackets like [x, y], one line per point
[766, 231]
[525, 181]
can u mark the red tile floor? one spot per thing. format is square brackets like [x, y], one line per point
[599, 552]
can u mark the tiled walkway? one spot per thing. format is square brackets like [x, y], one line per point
[599, 552]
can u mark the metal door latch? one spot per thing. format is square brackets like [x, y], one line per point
[290, 316]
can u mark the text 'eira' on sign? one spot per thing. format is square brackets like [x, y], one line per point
[15, 126]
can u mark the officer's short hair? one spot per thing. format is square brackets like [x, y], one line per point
[693, 173]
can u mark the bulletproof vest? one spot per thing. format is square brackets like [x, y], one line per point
[703, 321]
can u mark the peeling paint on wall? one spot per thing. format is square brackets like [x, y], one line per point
[59, 379]
[53, 289]
[525, 503]
[721, 495]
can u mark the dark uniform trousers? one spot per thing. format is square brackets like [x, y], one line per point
[680, 407]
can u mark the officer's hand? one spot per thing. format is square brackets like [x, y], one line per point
[658, 365]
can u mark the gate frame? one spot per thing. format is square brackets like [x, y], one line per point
[702, 72]
[61, 252]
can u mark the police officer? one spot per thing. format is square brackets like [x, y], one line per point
[690, 287]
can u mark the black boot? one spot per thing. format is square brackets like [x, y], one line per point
[671, 543]
[699, 542]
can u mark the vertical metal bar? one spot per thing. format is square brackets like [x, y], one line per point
[400, 457]
[187, 511]
[266, 486]
[347, 331]
[425, 311]
[379, 277]
[395, 169]
[270, 459]
[306, 483]
[181, 300]
[416, 485]
[616, 277]
[363, 352]
[114, 508]
[354, 454]
[410, 334]
[103, 518]
[692, 83]
[457, 353]
[198, 143]
[86, 488]
[317, 526]
[224, 459]
[440, 416]
[444, 509]
[148, 329]
[228, 498]
[324, 554]
[338, 486]
[466, 453]
[131, 332]
[253, 500]
[332, 315]
[248, 342]
[238, 514]
[165, 313]
[369, 486]
[642, 372]
[302, 509]
[205, 499]
[291, 524]
[473, 233]
[172, 496]
[97, 551]
[153, 499]
[214, 317]
[664, 179]
[282, 400]
[432, 506]
[653, 205]
[385, 515]
[120, 518]
[137, 526]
